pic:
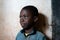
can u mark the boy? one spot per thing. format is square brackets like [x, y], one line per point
[28, 18]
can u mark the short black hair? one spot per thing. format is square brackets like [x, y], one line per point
[31, 8]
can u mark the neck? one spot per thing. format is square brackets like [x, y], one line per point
[29, 30]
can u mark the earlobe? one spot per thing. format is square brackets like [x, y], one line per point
[35, 19]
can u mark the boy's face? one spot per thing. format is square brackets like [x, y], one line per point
[26, 19]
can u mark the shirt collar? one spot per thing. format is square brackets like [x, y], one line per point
[32, 33]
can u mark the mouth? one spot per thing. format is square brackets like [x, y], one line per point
[22, 24]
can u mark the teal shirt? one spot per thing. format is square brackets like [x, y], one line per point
[34, 35]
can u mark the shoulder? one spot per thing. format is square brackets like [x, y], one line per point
[40, 33]
[19, 34]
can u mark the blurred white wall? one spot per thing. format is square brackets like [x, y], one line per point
[9, 16]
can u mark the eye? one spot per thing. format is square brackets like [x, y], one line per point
[26, 17]
[20, 16]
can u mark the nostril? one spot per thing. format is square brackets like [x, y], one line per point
[22, 20]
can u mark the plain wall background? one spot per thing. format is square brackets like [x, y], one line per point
[9, 16]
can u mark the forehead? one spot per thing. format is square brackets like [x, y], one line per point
[25, 11]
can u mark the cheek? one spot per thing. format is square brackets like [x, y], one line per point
[29, 20]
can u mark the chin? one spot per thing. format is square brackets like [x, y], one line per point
[27, 28]
[24, 27]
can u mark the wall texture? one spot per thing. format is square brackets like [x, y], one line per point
[9, 16]
[56, 19]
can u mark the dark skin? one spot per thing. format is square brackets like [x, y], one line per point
[27, 20]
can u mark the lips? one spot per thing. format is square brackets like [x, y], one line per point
[22, 24]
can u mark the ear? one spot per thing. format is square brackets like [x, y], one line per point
[35, 18]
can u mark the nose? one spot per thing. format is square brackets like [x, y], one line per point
[21, 19]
